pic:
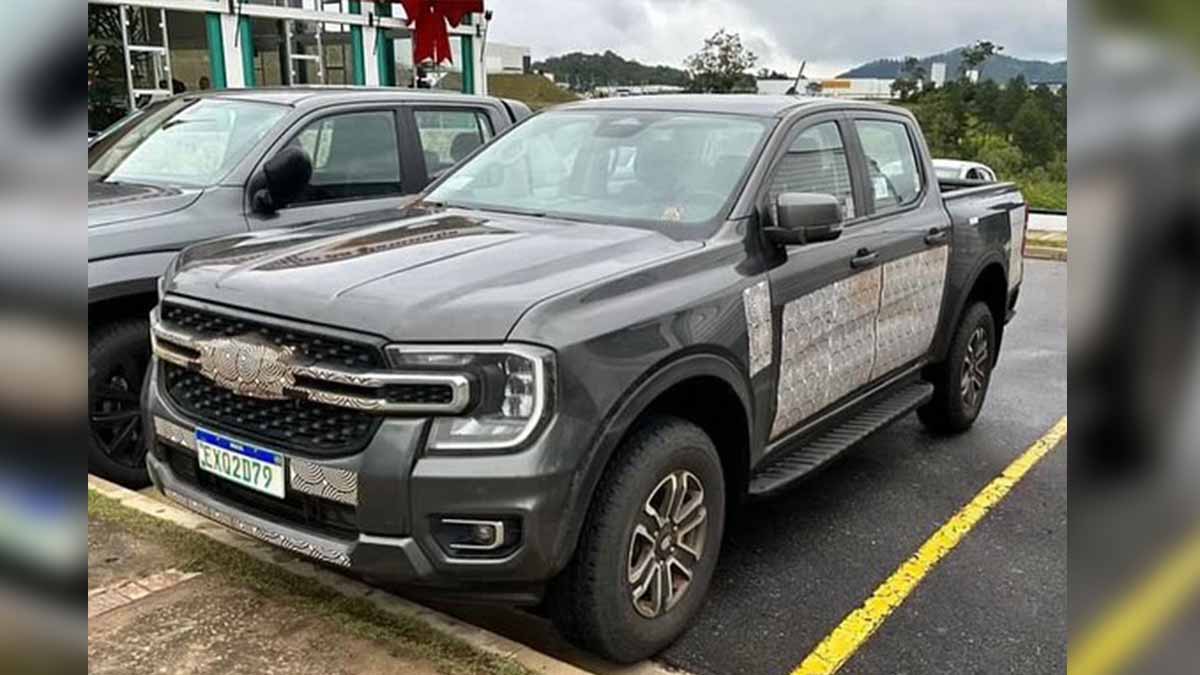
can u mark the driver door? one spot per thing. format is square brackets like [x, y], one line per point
[356, 156]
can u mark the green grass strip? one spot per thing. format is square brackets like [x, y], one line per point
[405, 636]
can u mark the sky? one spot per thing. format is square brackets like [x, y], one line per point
[831, 36]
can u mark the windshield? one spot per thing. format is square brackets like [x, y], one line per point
[191, 143]
[669, 171]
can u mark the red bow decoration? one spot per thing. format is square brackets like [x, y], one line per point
[431, 40]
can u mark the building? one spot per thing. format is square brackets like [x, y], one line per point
[937, 74]
[853, 88]
[141, 50]
[504, 58]
[635, 90]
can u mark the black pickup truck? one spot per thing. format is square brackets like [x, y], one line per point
[552, 376]
[195, 167]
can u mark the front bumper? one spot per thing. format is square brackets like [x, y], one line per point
[387, 501]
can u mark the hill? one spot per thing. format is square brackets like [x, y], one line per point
[583, 71]
[999, 68]
[533, 90]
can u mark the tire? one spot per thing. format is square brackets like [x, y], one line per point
[956, 402]
[118, 356]
[593, 601]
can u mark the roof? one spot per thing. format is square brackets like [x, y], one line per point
[313, 95]
[732, 104]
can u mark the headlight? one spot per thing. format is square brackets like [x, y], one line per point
[511, 395]
[165, 277]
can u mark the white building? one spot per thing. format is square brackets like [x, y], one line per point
[140, 50]
[852, 88]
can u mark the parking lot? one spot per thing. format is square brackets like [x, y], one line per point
[793, 567]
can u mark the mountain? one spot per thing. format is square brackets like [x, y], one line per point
[583, 71]
[1000, 68]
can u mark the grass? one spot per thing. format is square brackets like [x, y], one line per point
[1043, 193]
[408, 636]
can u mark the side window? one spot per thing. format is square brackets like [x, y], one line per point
[815, 162]
[891, 163]
[353, 155]
[448, 136]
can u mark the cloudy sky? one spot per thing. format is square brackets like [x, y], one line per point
[831, 35]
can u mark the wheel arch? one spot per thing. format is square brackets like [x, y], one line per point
[988, 283]
[694, 385]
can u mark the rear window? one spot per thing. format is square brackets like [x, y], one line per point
[892, 169]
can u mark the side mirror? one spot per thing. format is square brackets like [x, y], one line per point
[805, 218]
[281, 180]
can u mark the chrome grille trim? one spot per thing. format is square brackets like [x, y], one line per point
[261, 370]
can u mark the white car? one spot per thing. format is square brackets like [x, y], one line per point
[963, 170]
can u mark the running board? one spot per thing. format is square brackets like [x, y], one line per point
[796, 463]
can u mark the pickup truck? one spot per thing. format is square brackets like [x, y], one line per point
[195, 167]
[552, 377]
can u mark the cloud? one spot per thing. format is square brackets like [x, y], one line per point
[830, 36]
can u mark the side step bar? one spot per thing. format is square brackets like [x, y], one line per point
[800, 461]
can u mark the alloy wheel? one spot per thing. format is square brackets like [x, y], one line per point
[115, 414]
[975, 367]
[667, 543]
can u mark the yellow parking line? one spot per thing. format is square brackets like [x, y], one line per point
[857, 628]
[1134, 622]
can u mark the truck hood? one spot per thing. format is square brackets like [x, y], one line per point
[417, 274]
[110, 203]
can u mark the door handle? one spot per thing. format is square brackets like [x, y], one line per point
[864, 258]
[937, 235]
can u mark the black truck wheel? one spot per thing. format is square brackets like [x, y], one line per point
[961, 381]
[118, 355]
[649, 545]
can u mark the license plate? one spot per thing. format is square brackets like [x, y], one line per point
[241, 463]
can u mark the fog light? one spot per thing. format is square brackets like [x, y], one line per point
[468, 535]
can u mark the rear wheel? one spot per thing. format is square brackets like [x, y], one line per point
[649, 545]
[118, 356]
[961, 381]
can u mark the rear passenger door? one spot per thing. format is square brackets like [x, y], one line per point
[357, 166]
[825, 295]
[446, 135]
[913, 246]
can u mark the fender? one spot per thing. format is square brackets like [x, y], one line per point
[959, 295]
[620, 420]
[113, 278]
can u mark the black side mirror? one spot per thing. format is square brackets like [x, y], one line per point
[805, 218]
[281, 180]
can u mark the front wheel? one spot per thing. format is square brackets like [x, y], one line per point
[118, 355]
[961, 381]
[649, 545]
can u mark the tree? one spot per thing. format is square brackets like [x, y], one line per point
[912, 75]
[1033, 132]
[721, 65]
[771, 74]
[975, 56]
[1011, 99]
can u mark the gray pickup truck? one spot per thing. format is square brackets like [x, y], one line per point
[195, 167]
[552, 377]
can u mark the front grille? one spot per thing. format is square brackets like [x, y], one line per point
[321, 349]
[296, 508]
[305, 427]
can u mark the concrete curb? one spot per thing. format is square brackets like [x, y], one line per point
[1046, 245]
[478, 638]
